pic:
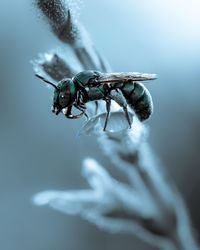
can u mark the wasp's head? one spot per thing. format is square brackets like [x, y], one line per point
[64, 95]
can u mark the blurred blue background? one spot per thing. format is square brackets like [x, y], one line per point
[40, 151]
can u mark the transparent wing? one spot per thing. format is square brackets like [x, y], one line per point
[124, 77]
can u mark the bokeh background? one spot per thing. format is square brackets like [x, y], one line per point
[40, 151]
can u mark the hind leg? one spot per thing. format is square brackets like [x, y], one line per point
[108, 103]
[119, 99]
[96, 105]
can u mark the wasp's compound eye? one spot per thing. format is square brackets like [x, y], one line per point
[64, 98]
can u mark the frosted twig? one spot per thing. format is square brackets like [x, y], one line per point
[61, 15]
[148, 205]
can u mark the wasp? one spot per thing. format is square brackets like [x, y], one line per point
[91, 85]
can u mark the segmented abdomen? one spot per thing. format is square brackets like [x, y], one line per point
[138, 98]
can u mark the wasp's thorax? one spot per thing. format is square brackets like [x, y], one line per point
[64, 95]
[86, 78]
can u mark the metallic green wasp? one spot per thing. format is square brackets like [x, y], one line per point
[92, 85]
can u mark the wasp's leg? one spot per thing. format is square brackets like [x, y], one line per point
[69, 115]
[81, 108]
[96, 104]
[119, 99]
[108, 103]
[127, 115]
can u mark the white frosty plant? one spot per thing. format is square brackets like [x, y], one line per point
[147, 204]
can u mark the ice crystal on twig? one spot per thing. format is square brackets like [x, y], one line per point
[117, 123]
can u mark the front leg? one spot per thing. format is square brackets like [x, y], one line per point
[81, 108]
[69, 115]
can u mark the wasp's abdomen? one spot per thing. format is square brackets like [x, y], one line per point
[138, 98]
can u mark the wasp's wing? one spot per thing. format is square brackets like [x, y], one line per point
[124, 77]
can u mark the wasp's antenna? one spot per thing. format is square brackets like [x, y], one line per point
[43, 79]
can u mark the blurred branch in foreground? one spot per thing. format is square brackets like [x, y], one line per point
[148, 205]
